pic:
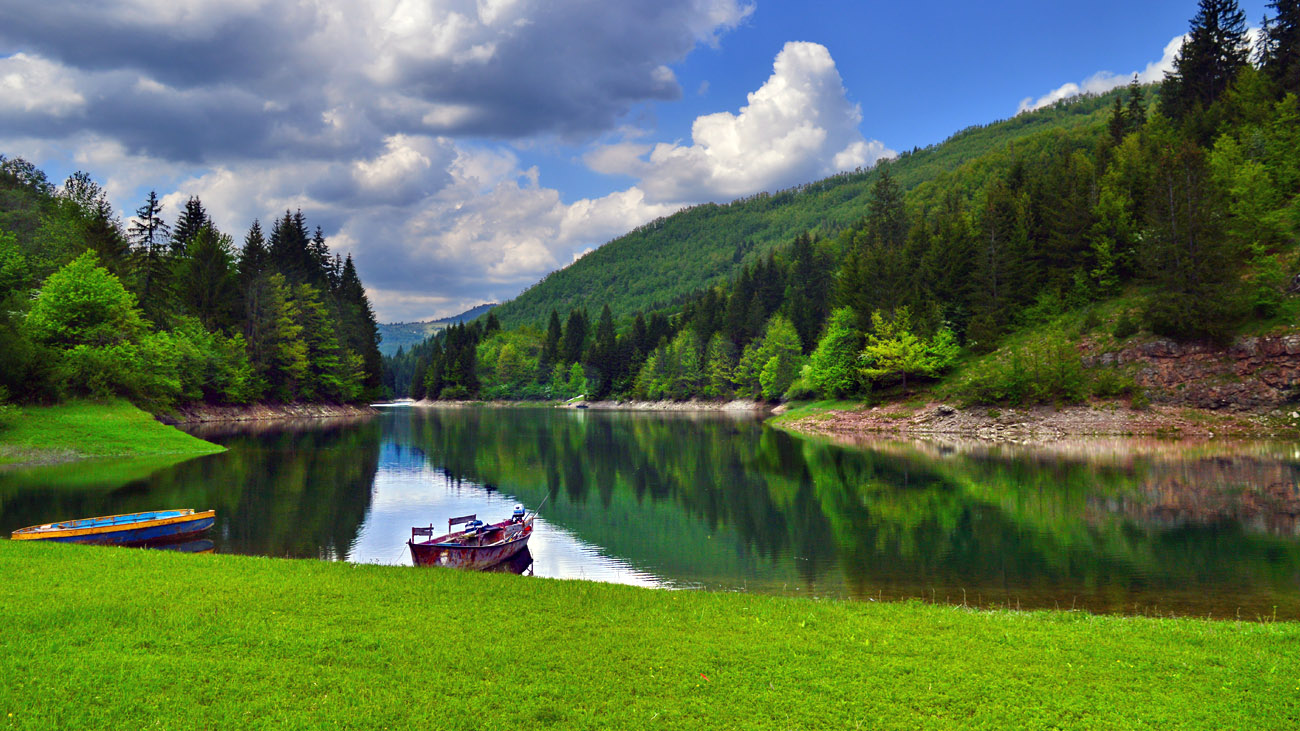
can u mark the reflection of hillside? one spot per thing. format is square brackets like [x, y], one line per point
[692, 500]
[300, 492]
[617, 481]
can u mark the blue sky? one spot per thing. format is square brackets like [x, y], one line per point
[462, 149]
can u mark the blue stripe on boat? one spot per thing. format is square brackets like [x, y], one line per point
[138, 535]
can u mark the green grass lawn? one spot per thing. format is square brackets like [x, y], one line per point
[90, 429]
[122, 638]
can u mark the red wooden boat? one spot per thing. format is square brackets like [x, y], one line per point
[476, 546]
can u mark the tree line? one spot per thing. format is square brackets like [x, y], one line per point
[1179, 200]
[171, 314]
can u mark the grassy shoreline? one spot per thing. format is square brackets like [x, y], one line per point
[81, 429]
[120, 638]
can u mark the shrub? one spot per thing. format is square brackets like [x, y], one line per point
[1125, 327]
[1046, 369]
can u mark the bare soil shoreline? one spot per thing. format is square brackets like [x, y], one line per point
[1038, 424]
[205, 413]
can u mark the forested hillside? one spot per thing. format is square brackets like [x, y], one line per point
[168, 315]
[667, 260]
[1169, 211]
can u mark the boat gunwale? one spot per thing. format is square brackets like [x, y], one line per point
[48, 530]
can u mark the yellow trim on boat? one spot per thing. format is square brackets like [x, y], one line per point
[48, 530]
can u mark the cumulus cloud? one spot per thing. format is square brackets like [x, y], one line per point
[382, 120]
[799, 126]
[258, 77]
[30, 85]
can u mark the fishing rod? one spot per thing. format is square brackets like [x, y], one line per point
[543, 502]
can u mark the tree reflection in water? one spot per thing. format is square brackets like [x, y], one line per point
[723, 502]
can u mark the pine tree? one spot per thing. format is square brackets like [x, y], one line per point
[807, 292]
[1216, 49]
[833, 367]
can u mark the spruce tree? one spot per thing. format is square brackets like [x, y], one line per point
[1118, 124]
[149, 234]
[211, 282]
[575, 337]
[1136, 114]
[360, 329]
[253, 257]
[550, 354]
[1216, 49]
[191, 220]
[1280, 56]
[603, 356]
[1192, 265]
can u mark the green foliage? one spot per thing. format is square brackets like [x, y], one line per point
[832, 370]
[207, 267]
[719, 366]
[1043, 367]
[104, 304]
[13, 265]
[8, 412]
[780, 359]
[1125, 326]
[83, 304]
[577, 384]
[1192, 264]
[893, 349]
[508, 364]
[675, 371]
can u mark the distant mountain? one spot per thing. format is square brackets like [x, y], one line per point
[405, 334]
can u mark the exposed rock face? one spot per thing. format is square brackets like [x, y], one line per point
[1254, 374]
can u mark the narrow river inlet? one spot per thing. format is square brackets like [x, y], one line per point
[722, 502]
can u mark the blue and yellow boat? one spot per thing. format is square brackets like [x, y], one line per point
[123, 530]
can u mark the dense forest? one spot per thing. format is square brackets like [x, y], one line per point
[1175, 205]
[168, 315]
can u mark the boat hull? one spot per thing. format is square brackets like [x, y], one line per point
[466, 557]
[124, 530]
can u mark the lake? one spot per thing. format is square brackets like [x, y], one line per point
[722, 502]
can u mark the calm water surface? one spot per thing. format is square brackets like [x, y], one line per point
[724, 503]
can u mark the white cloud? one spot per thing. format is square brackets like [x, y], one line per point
[33, 85]
[351, 111]
[799, 126]
[498, 68]
[1103, 81]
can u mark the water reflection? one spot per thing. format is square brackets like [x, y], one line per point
[718, 502]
